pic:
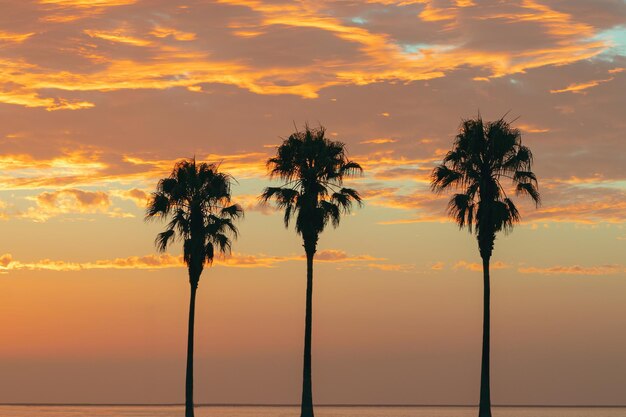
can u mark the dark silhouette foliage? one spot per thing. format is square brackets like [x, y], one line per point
[313, 169]
[196, 198]
[484, 155]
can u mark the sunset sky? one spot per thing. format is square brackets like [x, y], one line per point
[99, 98]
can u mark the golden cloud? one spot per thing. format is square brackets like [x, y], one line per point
[391, 267]
[378, 141]
[64, 11]
[380, 59]
[14, 37]
[528, 128]
[332, 255]
[87, 3]
[88, 167]
[137, 196]
[70, 167]
[476, 267]
[580, 87]
[118, 36]
[5, 260]
[437, 266]
[609, 269]
[165, 260]
[164, 32]
[557, 23]
[70, 201]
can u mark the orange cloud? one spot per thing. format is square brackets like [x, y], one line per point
[379, 141]
[164, 32]
[380, 57]
[575, 270]
[87, 3]
[88, 167]
[71, 167]
[391, 267]
[580, 205]
[557, 23]
[118, 36]
[331, 255]
[5, 260]
[165, 260]
[14, 37]
[437, 266]
[580, 87]
[137, 196]
[472, 266]
[532, 128]
[70, 201]
[251, 202]
[65, 11]
[79, 198]
[431, 13]
[29, 98]
[386, 164]
[243, 165]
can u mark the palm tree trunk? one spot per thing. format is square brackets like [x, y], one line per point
[189, 376]
[484, 409]
[307, 390]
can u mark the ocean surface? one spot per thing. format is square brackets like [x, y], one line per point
[289, 411]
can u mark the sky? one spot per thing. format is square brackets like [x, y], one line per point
[99, 98]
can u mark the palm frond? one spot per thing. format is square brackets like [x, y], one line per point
[158, 206]
[443, 177]
[350, 168]
[524, 176]
[196, 198]
[222, 242]
[529, 189]
[209, 252]
[163, 239]
[330, 212]
[460, 208]
[313, 168]
[233, 211]
[482, 155]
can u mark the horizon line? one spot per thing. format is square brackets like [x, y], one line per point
[297, 405]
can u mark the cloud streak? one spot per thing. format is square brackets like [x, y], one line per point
[375, 55]
[609, 269]
[165, 260]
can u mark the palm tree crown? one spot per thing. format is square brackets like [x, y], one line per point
[313, 169]
[197, 198]
[484, 154]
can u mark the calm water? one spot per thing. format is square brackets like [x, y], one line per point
[325, 411]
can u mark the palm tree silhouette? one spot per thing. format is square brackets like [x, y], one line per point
[313, 169]
[197, 199]
[483, 154]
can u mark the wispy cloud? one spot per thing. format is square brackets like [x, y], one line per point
[378, 141]
[476, 267]
[581, 87]
[375, 54]
[609, 269]
[14, 37]
[165, 260]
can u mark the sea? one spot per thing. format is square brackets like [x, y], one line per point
[292, 411]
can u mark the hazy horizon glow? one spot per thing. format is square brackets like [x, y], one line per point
[98, 100]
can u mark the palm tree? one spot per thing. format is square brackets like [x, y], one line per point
[196, 198]
[484, 154]
[312, 168]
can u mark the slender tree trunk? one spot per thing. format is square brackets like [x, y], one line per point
[189, 377]
[484, 409]
[307, 390]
